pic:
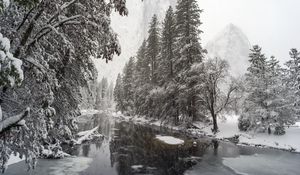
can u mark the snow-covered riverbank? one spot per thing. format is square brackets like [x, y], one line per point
[228, 129]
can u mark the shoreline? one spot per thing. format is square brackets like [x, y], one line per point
[203, 132]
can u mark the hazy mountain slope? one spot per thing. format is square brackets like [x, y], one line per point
[232, 45]
[132, 30]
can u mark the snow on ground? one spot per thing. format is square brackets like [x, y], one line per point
[229, 128]
[142, 120]
[14, 159]
[170, 140]
[264, 164]
[137, 166]
[88, 135]
[89, 111]
[49, 153]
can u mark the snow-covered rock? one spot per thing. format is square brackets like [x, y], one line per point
[170, 140]
[232, 45]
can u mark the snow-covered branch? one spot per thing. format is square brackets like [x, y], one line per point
[62, 7]
[47, 29]
[13, 120]
[232, 88]
[88, 135]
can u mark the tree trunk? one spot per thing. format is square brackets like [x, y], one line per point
[215, 124]
[194, 108]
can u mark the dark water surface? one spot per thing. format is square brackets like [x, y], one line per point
[133, 149]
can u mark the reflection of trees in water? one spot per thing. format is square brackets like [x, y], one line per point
[103, 121]
[215, 146]
[98, 144]
[85, 150]
[136, 145]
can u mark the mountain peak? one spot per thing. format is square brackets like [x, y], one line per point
[232, 45]
[231, 26]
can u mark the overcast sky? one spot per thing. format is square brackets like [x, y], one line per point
[273, 24]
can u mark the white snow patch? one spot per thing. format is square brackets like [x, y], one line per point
[14, 159]
[297, 124]
[229, 128]
[264, 164]
[49, 153]
[170, 140]
[90, 111]
[136, 166]
[6, 3]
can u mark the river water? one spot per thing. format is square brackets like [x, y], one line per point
[129, 148]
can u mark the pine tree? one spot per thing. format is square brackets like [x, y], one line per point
[119, 94]
[293, 78]
[188, 47]
[98, 96]
[153, 48]
[255, 108]
[165, 69]
[142, 68]
[110, 94]
[278, 110]
[128, 85]
[188, 52]
[142, 83]
[164, 96]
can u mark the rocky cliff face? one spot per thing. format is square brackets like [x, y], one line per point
[232, 45]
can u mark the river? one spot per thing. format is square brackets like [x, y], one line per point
[129, 148]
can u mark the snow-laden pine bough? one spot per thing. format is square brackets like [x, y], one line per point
[13, 121]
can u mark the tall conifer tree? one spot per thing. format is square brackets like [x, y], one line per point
[153, 47]
[128, 85]
[119, 94]
[142, 83]
[166, 59]
[188, 52]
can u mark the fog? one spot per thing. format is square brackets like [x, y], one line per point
[272, 24]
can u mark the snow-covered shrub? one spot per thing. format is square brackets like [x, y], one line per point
[279, 130]
[4, 156]
[244, 124]
[11, 75]
[10, 67]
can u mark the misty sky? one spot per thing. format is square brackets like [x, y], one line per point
[273, 24]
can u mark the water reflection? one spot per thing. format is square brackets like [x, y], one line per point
[136, 145]
[128, 149]
[133, 149]
[85, 150]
